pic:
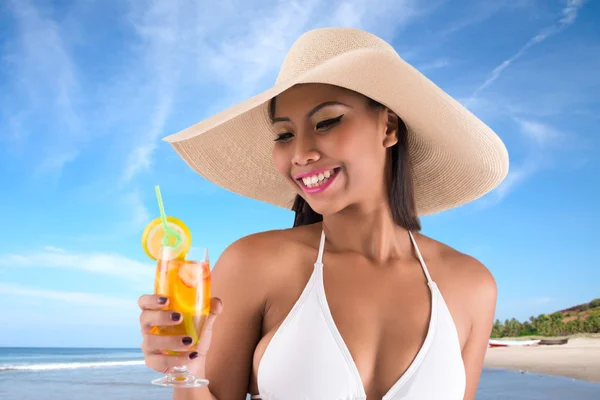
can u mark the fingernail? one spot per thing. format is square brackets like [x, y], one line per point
[187, 340]
[162, 300]
[175, 316]
[193, 355]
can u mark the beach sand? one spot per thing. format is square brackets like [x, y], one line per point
[579, 359]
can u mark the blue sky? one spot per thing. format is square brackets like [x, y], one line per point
[88, 89]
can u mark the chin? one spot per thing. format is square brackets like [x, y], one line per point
[326, 208]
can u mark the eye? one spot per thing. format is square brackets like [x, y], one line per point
[284, 137]
[328, 123]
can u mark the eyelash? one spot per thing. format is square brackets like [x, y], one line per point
[328, 123]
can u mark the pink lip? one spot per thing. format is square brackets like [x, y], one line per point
[319, 189]
[311, 173]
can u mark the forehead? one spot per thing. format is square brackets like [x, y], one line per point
[301, 98]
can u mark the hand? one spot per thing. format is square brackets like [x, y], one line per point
[154, 346]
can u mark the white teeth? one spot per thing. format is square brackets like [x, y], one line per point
[318, 179]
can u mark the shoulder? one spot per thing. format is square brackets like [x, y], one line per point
[458, 268]
[467, 284]
[261, 252]
[264, 244]
[470, 273]
[251, 269]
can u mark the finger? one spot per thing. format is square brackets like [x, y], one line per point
[152, 302]
[157, 344]
[216, 306]
[149, 319]
[164, 363]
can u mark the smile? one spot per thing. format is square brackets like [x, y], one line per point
[317, 181]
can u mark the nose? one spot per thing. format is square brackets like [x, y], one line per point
[305, 151]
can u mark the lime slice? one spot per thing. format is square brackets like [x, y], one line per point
[154, 233]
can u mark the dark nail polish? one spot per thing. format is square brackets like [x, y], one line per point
[187, 340]
[162, 300]
[175, 316]
[193, 355]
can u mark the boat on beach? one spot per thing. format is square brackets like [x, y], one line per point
[512, 343]
[551, 342]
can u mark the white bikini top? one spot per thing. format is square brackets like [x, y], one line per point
[307, 358]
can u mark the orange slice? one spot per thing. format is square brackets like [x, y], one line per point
[189, 290]
[154, 232]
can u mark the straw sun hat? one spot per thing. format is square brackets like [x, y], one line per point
[456, 158]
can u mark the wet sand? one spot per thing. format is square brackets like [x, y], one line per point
[579, 359]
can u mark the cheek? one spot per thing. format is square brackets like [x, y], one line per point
[358, 147]
[343, 144]
[362, 154]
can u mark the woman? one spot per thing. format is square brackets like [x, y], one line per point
[352, 302]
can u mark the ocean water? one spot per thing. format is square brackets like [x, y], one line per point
[120, 374]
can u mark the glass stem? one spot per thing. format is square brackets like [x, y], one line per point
[180, 370]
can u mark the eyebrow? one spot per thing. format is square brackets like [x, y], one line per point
[313, 110]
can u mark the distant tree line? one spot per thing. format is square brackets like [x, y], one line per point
[580, 319]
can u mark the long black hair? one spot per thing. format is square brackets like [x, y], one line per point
[401, 192]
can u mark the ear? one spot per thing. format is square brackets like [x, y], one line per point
[391, 128]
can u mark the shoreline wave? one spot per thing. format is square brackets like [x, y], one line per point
[64, 366]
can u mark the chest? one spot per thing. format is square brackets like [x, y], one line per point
[380, 314]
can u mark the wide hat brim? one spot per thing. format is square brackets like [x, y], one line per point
[456, 158]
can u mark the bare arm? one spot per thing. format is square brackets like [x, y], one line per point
[238, 280]
[483, 308]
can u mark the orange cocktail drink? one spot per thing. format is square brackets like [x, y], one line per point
[186, 283]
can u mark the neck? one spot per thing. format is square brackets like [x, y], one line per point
[370, 232]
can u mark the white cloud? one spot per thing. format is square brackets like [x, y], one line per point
[174, 49]
[139, 214]
[54, 249]
[239, 45]
[107, 264]
[545, 141]
[140, 158]
[436, 64]
[568, 16]
[46, 77]
[478, 12]
[77, 298]
[570, 12]
[249, 55]
[159, 60]
[542, 139]
[348, 14]
[125, 206]
[243, 59]
[384, 19]
[542, 134]
[516, 176]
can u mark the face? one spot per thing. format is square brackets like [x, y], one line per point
[332, 146]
